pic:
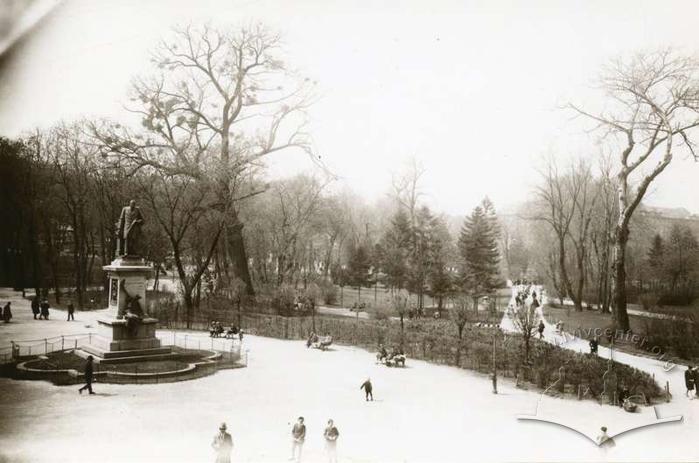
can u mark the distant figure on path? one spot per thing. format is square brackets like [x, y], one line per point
[71, 311]
[541, 329]
[368, 388]
[44, 310]
[331, 434]
[7, 313]
[223, 444]
[689, 381]
[298, 436]
[604, 440]
[695, 373]
[594, 344]
[35, 306]
[88, 375]
[535, 302]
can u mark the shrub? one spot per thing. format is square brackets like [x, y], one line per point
[678, 337]
[379, 313]
[283, 299]
[649, 301]
[328, 292]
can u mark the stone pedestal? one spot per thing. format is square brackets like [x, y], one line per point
[115, 341]
[133, 273]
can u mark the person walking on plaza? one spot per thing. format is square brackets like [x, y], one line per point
[368, 389]
[541, 329]
[689, 381]
[594, 344]
[604, 440]
[223, 445]
[35, 306]
[71, 311]
[298, 436]
[88, 376]
[44, 310]
[331, 434]
[7, 312]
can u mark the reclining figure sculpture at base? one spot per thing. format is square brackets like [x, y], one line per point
[132, 311]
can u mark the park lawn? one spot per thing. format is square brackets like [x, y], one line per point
[381, 297]
[578, 324]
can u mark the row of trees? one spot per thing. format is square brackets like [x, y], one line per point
[218, 103]
[673, 265]
[650, 113]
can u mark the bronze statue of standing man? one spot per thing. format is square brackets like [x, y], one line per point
[129, 237]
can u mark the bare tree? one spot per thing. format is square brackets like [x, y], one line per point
[399, 303]
[406, 188]
[526, 321]
[180, 205]
[223, 92]
[568, 205]
[460, 313]
[655, 98]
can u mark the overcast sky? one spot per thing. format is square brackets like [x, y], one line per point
[472, 89]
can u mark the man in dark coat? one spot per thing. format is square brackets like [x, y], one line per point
[689, 380]
[35, 306]
[368, 388]
[71, 311]
[594, 344]
[541, 329]
[88, 375]
[223, 444]
[7, 313]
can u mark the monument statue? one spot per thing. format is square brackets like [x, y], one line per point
[129, 231]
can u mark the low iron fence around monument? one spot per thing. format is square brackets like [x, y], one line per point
[231, 350]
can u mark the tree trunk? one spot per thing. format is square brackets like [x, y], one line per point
[621, 317]
[236, 247]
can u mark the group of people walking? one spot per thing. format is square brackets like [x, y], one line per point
[40, 308]
[223, 441]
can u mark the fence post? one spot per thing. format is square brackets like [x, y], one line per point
[63, 341]
[46, 346]
[667, 391]
[89, 338]
[76, 343]
[495, 369]
[185, 341]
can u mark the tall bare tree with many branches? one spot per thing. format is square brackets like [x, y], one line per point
[655, 107]
[222, 94]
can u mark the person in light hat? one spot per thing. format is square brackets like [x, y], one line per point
[223, 445]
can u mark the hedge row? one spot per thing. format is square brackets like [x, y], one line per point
[436, 342]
